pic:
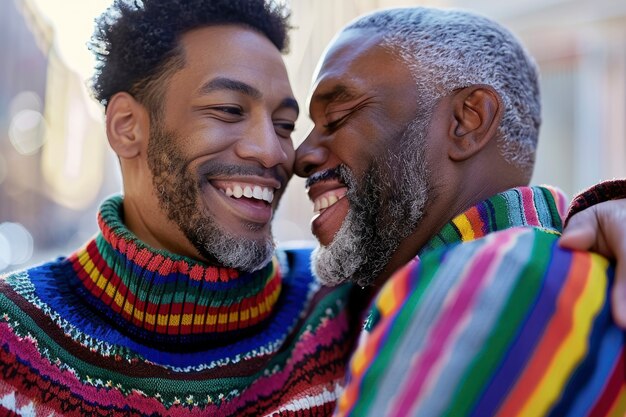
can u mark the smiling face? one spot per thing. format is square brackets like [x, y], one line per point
[220, 158]
[366, 158]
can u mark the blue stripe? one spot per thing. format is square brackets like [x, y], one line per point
[531, 330]
[587, 383]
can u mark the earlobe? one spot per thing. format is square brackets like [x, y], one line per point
[127, 125]
[477, 111]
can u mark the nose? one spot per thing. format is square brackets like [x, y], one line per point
[310, 155]
[263, 145]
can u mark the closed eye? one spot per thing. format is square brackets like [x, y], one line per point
[229, 110]
[336, 124]
[284, 128]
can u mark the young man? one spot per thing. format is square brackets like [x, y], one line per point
[426, 124]
[178, 307]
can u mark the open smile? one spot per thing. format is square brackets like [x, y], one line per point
[250, 200]
[327, 192]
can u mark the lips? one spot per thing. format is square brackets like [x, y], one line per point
[327, 192]
[250, 200]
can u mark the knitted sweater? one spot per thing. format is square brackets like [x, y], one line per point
[119, 328]
[494, 319]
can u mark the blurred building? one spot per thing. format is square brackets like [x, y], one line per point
[52, 148]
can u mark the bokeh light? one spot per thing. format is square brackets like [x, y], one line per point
[16, 244]
[27, 131]
[26, 100]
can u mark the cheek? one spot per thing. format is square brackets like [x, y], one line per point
[289, 150]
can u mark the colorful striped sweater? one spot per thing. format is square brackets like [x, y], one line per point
[121, 329]
[495, 319]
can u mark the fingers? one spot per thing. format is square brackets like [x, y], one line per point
[581, 232]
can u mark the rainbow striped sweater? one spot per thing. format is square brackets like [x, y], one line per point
[494, 319]
[121, 329]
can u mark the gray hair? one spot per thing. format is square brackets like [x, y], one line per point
[450, 49]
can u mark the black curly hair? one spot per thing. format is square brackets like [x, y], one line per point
[136, 42]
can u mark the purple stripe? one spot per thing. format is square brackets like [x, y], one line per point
[530, 334]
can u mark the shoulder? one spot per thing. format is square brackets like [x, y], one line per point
[460, 328]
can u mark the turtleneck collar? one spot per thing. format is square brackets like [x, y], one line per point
[165, 298]
[542, 207]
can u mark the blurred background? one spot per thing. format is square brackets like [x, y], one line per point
[56, 168]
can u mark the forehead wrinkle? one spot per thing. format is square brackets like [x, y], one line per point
[339, 92]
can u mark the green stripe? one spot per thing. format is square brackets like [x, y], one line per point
[329, 307]
[427, 270]
[522, 297]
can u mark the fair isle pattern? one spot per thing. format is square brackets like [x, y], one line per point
[68, 348]
[507, 325]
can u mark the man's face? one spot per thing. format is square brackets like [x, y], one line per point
[222, 155]
[365, 159]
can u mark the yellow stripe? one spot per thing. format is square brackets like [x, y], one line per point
[118, 299]
[174, 320]
[138, 315]
[462, 223]
[198, 320]
[233, 317]
[187, 319]
[161, 320]
[574, 347]
[128, 308]
[150, 319]
[387, 300]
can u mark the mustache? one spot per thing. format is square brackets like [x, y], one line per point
[340, 173]
[215, 169]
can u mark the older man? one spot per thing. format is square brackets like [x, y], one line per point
[426, 125]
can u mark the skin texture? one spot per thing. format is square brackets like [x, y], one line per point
[460, 140]
[600, 228]
[227, 121]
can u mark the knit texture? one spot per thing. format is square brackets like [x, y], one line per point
[495, 319]
[119, 328]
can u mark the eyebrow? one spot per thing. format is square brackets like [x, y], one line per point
[223, 83]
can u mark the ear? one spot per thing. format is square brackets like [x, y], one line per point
[477, 112]
[127, 125]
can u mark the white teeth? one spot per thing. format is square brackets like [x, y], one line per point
[250, 191]
[327, 200]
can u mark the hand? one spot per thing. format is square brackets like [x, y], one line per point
[601, 228]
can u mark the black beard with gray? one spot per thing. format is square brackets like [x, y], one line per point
[179, 196]
[386, 205]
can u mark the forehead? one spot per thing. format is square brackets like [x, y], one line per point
[355, 62]
[233, 52]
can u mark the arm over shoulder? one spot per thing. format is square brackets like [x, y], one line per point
[509, 325]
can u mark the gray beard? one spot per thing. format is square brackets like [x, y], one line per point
[386, 205]
[178, 193]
